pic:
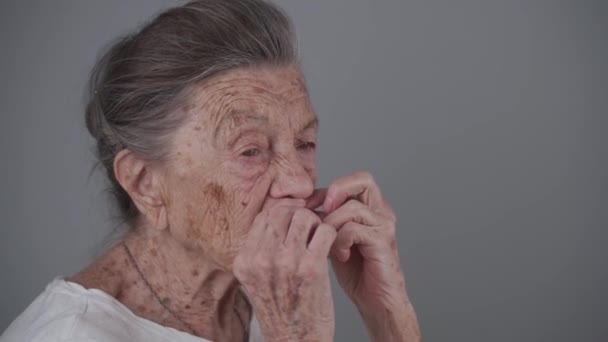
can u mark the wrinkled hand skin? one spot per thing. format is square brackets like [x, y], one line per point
[365, 256]
[287, 278]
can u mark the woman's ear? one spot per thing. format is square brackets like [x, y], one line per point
[143, 183]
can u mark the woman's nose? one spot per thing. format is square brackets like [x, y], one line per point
[292, 180]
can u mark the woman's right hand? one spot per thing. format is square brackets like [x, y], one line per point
[284, 271]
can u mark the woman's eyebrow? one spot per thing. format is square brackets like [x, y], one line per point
[240, 116]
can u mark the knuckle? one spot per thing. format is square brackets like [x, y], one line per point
[366, 175]
[305, 216]
[353, 204]
[260, 263]
[308, 271]
[391, 231]
[350, 227]
[329, 228]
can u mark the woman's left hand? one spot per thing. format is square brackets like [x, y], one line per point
[365, 256]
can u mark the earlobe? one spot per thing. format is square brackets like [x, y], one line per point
[141, 181]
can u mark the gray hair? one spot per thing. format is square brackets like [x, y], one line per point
[137, 86]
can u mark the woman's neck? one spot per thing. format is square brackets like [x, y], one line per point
[161, 281]
[180, 288]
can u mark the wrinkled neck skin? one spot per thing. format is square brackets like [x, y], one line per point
[197, 290]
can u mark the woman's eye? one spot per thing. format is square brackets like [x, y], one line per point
[251, 152]
[307, 146]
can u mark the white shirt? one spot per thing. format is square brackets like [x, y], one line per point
[67, 312]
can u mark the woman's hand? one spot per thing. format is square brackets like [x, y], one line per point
[365, 256]
[284, 270]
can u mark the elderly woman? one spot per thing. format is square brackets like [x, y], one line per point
[205, 128]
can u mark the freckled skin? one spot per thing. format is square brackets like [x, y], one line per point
[212, 188]
[230, 189]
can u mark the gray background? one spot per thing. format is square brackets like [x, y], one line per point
[483, 121]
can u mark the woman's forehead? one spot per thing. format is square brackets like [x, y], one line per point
[266, 94]
[296, 121]
[273, 81]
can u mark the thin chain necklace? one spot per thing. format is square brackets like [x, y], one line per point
[166, 307]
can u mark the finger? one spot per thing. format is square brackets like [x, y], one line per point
[352, 234]
[302, 223]
[256, 232]
[360, 185]
[291, 202]
[279, 219]
[316, 199]
[322, 240]
[352, 211]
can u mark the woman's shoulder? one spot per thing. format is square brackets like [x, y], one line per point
[105, 273]
[67, 311]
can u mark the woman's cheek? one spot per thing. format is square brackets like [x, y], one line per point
[250, 198]
[251, 185]
[249, 172]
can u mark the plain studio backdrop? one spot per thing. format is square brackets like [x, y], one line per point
[484, 122]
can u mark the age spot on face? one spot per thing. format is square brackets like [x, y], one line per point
[216, 194]
[217, 204]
